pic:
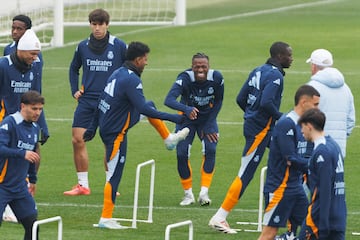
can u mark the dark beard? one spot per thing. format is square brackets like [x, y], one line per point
[20, 65]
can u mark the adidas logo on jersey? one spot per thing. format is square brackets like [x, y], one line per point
[179, 82]
[109, 89]
[139, 86]
[5, 127]
[277, 81]
[290, 133]
[320, 159]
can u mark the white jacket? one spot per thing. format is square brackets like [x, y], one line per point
[337, 102]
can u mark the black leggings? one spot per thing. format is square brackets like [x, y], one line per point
[28, 223]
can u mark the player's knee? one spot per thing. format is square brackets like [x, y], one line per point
[182, 157]
[78, 140]
[29, 220]
[28, 223]
[210, 151]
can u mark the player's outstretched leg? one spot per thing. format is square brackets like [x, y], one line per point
[174, 138]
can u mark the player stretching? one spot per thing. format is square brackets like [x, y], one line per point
[119, 109]
[260, 99]
[201, 92]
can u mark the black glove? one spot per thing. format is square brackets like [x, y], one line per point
[43, 137]
[88, 135]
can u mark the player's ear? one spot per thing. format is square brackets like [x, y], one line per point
[136, 61]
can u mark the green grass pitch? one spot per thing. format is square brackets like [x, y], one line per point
[236, 34]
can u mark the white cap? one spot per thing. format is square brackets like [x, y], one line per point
[321, 57]
[29, 41]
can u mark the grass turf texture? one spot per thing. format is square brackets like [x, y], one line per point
[235, 47]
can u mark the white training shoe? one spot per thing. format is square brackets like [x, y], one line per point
[8, 215]
[174, 138]
[109, 224]
[188, 199]
[286, 236]
[204, 199]
[221, 226]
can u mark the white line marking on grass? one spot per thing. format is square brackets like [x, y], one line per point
[262, 12]
[174, 69]
[219, 19]
[145, 121]
[76, 205]
[59, 119]
[142, 121]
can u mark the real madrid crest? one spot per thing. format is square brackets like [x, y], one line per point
[110, 55]
[210, 90]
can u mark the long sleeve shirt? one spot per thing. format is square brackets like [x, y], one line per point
[287, 145]
[16, 137]
[260, 95]
[327, 210]
[207, 96]
[13, 83]
[97, 68]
